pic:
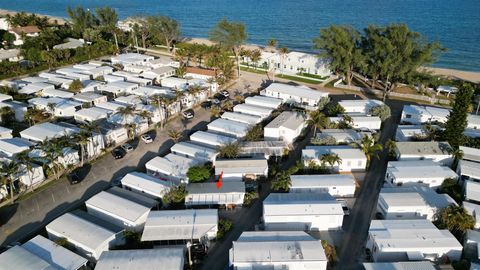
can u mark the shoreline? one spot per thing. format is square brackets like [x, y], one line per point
[472, 76]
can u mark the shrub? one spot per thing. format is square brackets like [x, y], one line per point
[198, 174]
[334, 109]
[255, 133]
[382, 111]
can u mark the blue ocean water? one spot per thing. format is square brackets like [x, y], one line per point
[294, 23]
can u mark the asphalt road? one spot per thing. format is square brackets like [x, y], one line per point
[351, 254]
[24, 218]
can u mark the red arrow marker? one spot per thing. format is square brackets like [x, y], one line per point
[219, 183]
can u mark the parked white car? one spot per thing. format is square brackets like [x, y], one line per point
[146, 138]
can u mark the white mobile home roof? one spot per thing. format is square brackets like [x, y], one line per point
[301, 204]
[472, 190]
[359, 121]
[360, 105]
[19, 258]
[263, 101]
[129, 100]
[4, 97]
[469, 168]
[263, 148]
[269, 248]
[208, 193]
[179, 224]
[171, 164]
[340, 135]
[289, 120]
[54, 254]
[12, 146]
[423, 148]
[470, 153]
[399, 266]
[242, 117]
[88, 97]
[194, 151]
[57, 93]
[416, 195]
[410, 235]
[297, 91]
[92, 114]
[241, 166]
[323, 180]
[35, 87]
[80, 230]
[152, 259]
[344, 152]
[138, 80]
[117, 206]
[229, 127]
[253, 110]
[112, 78]
[111, 106]
[213, 139]
[43, 131]
[145, 183]
[420, 169]
[152, 90]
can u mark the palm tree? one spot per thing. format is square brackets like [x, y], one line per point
[34, 116]
[272, 43]
[27, 161]
[175, 135]
[131, 129]
[126, 111]
[454, 218]
[82, 139]
[370, 148]
[9, 172]
[330, 159]
[391, 145]
[255, 56]
[317, 120]
[147, 115]
[283, 53]
[53, 151]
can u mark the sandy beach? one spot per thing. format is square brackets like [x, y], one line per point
[52, 19]
[471, 76]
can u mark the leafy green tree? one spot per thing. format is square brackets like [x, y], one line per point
[231, 36]
[7, 115]
[457, 120]
[382, 111]
[108, 19]
[231, 150]
[176, 196]
[342, 45]
[452, 188]
[197, 174]
[334, 109]
[330, 251]
[75, 86]
[255, 133]
[324, 101]
[165, 29]
[455, 219]
[282, 182]
[392, 53]
[391, 145]
[9, 173]
[81, 19]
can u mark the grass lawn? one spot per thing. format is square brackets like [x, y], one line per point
[312, 76]
[293, 78]
[258, 71]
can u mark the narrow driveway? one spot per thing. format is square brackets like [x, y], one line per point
[357, 225]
